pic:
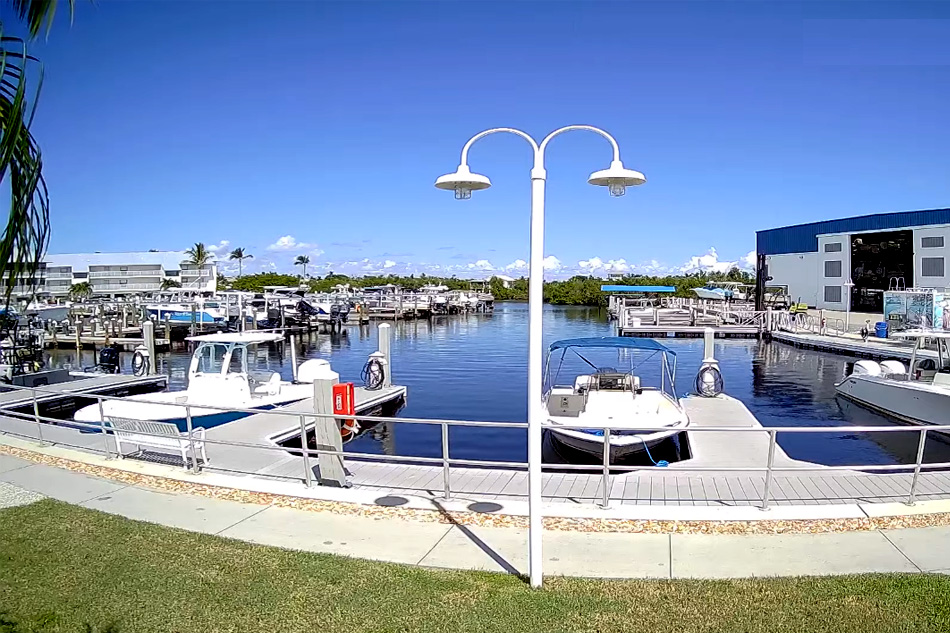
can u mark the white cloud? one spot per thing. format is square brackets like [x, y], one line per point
[219, 248]
[288, 243]
[552, 263]
[518, 264]
[596, 264]
[710, 262]
[748, 262]
[482, 264]
[389, 263]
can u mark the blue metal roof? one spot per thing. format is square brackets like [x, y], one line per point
[608, 288]
[612, 341]
[803, 238]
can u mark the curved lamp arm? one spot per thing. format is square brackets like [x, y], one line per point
[589, 128]
[524, 135]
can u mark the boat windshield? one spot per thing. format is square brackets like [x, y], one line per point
[209, 358]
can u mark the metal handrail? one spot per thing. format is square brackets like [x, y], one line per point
[446, 461]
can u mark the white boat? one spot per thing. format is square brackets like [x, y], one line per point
[918, 393]
[219, 376]
[612, 398]
[723, 290]
[48, 311]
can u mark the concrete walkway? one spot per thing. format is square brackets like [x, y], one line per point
[490, 548]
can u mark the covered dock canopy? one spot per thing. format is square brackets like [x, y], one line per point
[610, 288]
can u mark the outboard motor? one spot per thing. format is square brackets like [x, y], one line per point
[108, 362]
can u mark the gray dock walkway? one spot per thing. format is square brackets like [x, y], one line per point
[897, 348]
[94, 384]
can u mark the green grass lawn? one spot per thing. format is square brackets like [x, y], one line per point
[64, 568]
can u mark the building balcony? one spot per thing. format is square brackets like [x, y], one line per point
[93, 274]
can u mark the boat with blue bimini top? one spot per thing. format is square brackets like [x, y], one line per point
[598, 396]
[219, 381]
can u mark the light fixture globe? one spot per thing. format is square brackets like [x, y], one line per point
[463, 182]
[617, 178]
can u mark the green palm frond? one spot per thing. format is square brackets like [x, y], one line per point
[24, 239]
[38, 13]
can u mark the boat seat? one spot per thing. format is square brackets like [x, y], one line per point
[267, 384]
[582, 383]
[941, 379]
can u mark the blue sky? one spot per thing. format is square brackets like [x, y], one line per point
[319, 127]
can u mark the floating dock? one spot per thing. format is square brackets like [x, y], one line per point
[882, 349]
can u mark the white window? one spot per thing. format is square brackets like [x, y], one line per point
[833, 294]
[833, 247]
[932, 242]
[931, 266]
[833, 268]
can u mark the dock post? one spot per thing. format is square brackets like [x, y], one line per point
[330, 468]
[78, 341]
[148, 334]
[385, 347]
[293, 356]
[709, 348]
[656, 316]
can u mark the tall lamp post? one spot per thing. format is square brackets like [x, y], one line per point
[848, 285]
[463, 182]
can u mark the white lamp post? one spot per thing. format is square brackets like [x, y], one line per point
[616, 178]
[848, 285]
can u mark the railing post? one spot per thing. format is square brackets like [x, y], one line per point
[446, 475]
[191, 441]
[102, 427]
[307, 472]
[768, 470]
[36, 417]
[606, 475]
[912, 499]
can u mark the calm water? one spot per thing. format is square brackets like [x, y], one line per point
[475, 367]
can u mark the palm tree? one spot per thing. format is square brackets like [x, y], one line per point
[198, 255]
[24, 239]
[302, 260]
[240, 256]
[168, 284]
[80, 291]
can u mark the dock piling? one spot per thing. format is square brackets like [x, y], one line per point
[148, 334]
[293, 356]
[385, 347]
[327, 434]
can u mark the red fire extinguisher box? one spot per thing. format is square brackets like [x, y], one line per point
[344, 402]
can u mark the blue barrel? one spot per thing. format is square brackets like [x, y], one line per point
[880, 329]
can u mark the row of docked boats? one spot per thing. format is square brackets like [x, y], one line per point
[281, 306]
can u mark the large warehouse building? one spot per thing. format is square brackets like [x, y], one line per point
[874, 252]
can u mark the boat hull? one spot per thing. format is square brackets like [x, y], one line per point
[915, 404]
[710, 295]
[594, 444]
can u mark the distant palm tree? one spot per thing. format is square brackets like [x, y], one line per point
[80, 291]
[168, 284]
[302, 260]
[240, 256]
[198, 255]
